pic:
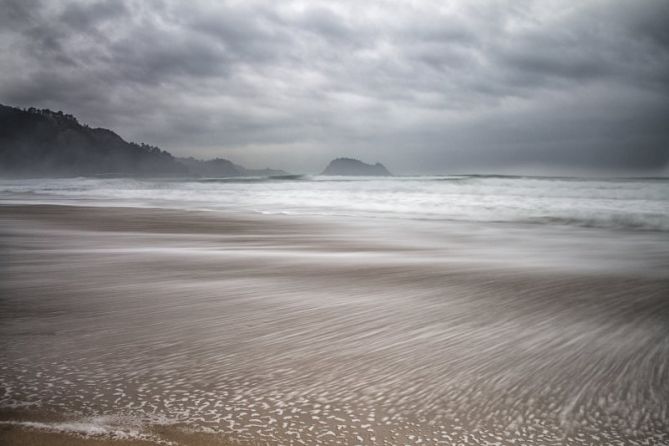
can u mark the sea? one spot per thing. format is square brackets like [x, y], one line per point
[631, 204]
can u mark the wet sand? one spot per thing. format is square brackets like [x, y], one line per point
[26, 427]
[193, 327]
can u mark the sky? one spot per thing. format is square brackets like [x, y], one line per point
[422, 86]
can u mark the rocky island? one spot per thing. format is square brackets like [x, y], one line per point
[354, 167]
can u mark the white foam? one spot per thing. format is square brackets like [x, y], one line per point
[628, 204]
[114, 427]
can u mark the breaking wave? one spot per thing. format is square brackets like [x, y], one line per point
[635, 204]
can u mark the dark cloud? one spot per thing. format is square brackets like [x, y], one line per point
[424, 87]
[86, 17]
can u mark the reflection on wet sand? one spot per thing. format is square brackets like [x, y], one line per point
[147, 323]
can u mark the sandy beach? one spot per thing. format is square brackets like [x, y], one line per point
[142, 326]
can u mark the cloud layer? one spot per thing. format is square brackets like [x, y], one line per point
[422, 86]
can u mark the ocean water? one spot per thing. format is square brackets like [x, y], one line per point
[635, 204]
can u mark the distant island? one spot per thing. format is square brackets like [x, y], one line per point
[41, 142]
[354, 167]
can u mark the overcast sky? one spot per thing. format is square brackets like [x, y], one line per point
[424, 87]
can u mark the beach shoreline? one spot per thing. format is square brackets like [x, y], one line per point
[32, 427]
[268, 330]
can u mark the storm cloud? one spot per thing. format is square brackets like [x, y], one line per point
[425, 87]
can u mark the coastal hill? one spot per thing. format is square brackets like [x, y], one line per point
[40, 142]
[43, 142]
[354, 167]
[220, 167]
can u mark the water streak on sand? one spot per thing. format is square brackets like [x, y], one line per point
[274, 331]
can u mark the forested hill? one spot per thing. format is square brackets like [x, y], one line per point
[46, 143]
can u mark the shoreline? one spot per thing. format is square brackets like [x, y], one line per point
[34, 428]
[271, 331]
